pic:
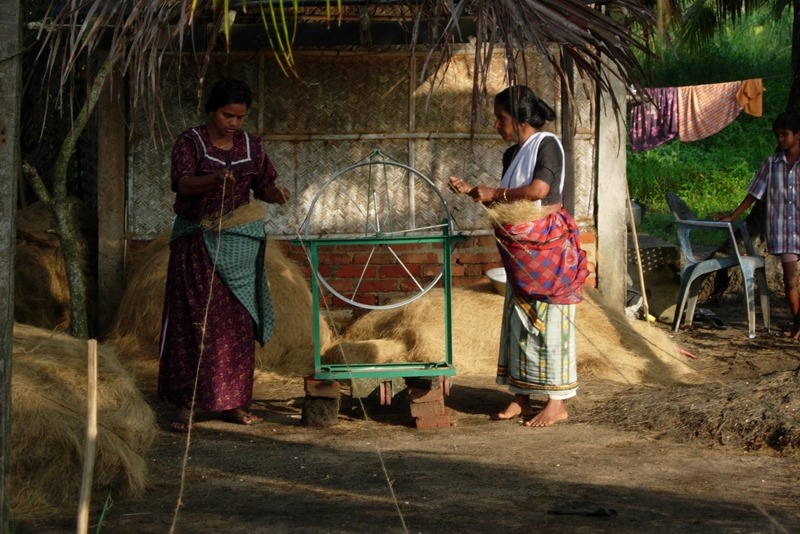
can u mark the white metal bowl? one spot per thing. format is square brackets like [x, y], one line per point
[497, 277]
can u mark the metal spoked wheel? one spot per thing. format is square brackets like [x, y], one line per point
[377, 207]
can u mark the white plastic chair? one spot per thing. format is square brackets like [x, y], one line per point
[695, 268]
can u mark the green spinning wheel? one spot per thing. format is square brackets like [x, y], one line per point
[379, 208]
[387, 217]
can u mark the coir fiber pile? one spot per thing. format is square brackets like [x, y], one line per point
[48, 419]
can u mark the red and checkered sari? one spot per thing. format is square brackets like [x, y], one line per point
[543, 261]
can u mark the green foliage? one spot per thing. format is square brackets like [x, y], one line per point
[106, 507]
[711, 174]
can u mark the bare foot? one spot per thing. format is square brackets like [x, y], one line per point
[553, 412]
[240, 417]
[794, 334]
[519, 406]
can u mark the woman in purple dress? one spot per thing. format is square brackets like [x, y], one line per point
[217, 300]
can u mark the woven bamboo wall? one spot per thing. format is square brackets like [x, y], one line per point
[345, 106]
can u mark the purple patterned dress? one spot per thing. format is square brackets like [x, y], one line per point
[222, 357]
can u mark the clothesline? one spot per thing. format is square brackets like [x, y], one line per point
[692, 112]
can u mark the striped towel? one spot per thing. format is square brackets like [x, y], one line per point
[703, 110]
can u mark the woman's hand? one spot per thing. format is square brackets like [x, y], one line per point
[459, 185]
[276, 195]
[479, 193]
[225, 177]
[484, 194]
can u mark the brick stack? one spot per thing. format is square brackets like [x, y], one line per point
[426, 399]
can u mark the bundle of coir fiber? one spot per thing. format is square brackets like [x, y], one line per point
[517, 212]
[631, 351]
[137, 325]
[48, 417]
[290, 350]
[415, 333]
[608, 345]
[41, 292]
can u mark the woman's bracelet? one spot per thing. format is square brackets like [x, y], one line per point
[505, 198]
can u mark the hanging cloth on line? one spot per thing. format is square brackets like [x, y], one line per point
[704, 110]
[654, 121]
[750, 98]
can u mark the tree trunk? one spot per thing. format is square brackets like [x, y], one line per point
[65, 213]
[794, 92]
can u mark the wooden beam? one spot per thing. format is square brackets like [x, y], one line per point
[111, 200]
[568, 133]
[10, 170]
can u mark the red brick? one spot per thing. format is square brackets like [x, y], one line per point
[342, 285]
[477, 257]
[290, 249]
[429, 257]
[419, 394]
[428, 409]
[367, 286]
[474, 270]
[588, 237]
[378, 286]
[457, 270]
[353, 271]
[408, 286]
[438, 421]
[379, 257]
[328, 389]
[486, 241]
[430, 271]
[333, 258]
[398, 271]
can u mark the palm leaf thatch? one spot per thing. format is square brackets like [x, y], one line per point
[599, 40]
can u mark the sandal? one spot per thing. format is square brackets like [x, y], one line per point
[240, 417]
[181, 427]
[180, 421]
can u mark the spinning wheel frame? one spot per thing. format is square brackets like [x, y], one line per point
[380, 228]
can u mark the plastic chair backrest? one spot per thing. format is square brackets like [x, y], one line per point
[686, 221]
[679, 209]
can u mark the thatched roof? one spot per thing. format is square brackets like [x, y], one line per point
[598, 40]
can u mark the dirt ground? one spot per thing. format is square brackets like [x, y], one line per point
[629, 459]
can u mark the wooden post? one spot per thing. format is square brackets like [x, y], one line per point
[10, 169]
[612, 245]
[90, 439]
[568, 133]
[110, 199]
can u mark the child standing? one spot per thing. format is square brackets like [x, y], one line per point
[777, 182]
